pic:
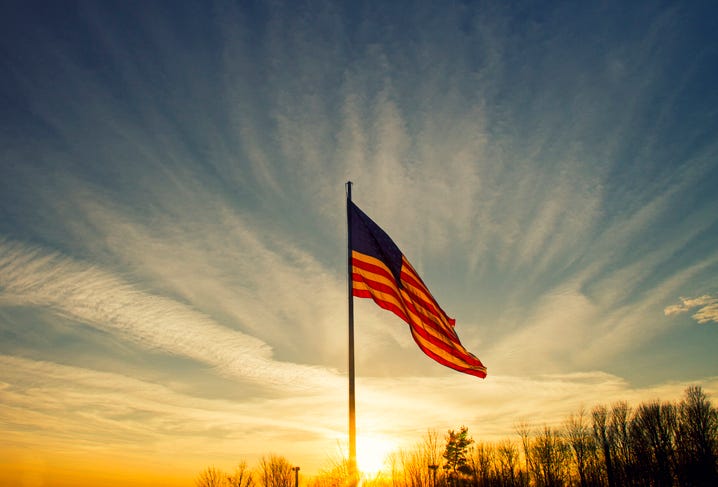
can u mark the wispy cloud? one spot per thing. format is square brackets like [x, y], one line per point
[492, 409]
[30, 276]
[103, 411]
[93, 411]
[174, 179]
[707, 308]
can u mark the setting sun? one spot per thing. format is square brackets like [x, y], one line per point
[372, 453]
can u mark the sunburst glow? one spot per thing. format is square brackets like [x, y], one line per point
[372, 453]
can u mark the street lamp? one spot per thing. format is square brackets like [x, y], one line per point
[296, 476]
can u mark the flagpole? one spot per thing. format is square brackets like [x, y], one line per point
[352, 415]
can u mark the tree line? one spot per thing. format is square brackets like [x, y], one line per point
[655, 444]
[272, 471]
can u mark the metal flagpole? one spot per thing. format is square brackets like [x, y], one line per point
[352, 416]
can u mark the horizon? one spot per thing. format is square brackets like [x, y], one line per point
[173, 223]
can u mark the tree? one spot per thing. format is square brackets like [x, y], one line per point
[335, 475]
[456, 451]
[524, 431]
[414, 468]
[578, 436]
[432, 452]
[697, 439]
[550, 453]
[653, 445]
[242, 476]
[417, 467]
[507, 456]
[211, 477]
[482, 461]
[654, 428]
[276, 471]
[619, 428]
[604, 439]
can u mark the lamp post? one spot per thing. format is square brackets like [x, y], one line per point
[296, 476]
[433, 468]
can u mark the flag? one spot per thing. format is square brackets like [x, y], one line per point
[381, 272]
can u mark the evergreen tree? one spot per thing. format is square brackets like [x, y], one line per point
[456, 454]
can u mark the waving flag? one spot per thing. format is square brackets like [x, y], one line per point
[381, 272]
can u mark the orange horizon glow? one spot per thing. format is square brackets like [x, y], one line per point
[35, 468]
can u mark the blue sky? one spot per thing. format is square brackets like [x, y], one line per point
[173, 235]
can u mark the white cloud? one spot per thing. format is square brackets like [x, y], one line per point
[242, 271]
[707, 308]
[31, 276]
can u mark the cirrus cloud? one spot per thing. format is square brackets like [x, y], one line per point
[31, 276]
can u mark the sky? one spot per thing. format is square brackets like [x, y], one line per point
[173, 285]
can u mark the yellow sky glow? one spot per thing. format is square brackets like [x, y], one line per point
[45, 468]
[372, 452]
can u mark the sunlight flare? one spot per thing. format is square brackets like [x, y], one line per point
[372, 453]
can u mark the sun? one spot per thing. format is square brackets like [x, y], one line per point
[372, 453]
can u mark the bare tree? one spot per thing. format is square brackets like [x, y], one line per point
[275, 471]
[524, 431]
[335, 475]
[604, 438]
[242, 476]
[697, 439]
[394, 460]
[507, 456]
[211, 477]
[414, 468]
[619, 427]
[432, 452]
[582, 445]
[654, 428]
[550, 453]
[417, 467]
[481, 461]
